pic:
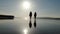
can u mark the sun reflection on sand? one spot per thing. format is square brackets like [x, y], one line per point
[26, 18]
[25, 31]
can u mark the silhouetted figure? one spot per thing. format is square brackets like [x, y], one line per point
[34, 23]
[30, 15]
[35, 14]
[30, 24]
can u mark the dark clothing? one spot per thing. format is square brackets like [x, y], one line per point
[30, 15]
[35, 15]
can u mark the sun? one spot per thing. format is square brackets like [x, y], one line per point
[26, 5]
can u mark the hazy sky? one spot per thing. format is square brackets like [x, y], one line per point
[44, 8]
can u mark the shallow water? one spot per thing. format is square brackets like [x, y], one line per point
[43, 26]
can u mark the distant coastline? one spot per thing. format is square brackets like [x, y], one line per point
[48, 18]
[6, 17]
[12, 17]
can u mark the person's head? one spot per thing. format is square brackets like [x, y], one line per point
[35, 12]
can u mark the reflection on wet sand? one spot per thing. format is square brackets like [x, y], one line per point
[35, 23]
[25, 31]
[30, 24]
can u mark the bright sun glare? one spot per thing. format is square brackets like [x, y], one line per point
[26, 5]
[25, 31]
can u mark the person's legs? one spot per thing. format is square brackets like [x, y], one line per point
[35, 17]
[30, 23]
[30, 17]
[35, 22]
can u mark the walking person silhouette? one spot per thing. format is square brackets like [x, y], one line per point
[30, 15]
[35, 14]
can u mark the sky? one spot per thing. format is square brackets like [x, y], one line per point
[44, 8]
